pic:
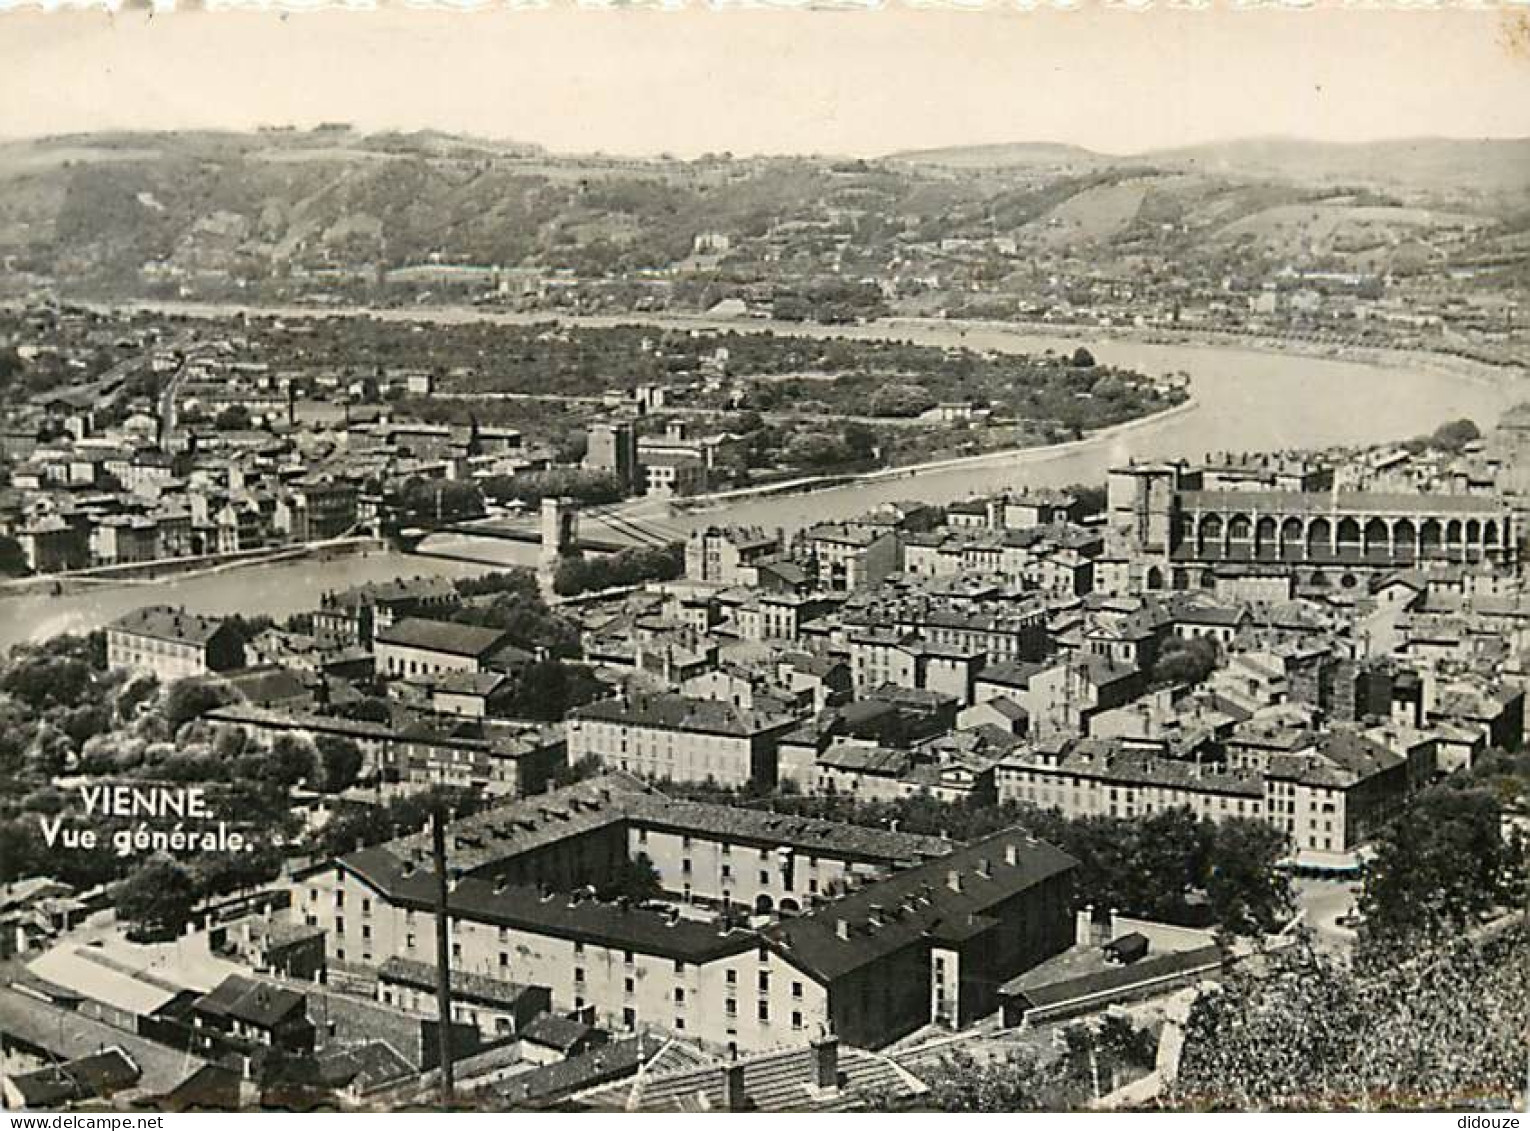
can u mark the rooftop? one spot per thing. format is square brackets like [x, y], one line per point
[441, 636]
[920, 902]
[161, 622]
[678, 712]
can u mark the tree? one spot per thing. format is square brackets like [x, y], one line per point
[369, 710]
[1092, 499]
[1454, 435]
[549, 689]
[900, 399]
[292, 759]
[1013, 1082]
[634, 878]
[1439, 862]
[187, 698]
[1185, 661]
[156, 898]
[339, 763]
[234, 418]
[13, 563]
[1249, 895]
[860, 442]
[1430, 1024]
[1082, 359]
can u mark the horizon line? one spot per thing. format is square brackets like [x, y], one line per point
[354, 128]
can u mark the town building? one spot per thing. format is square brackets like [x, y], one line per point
[891, 945]
[173, 643]
[672, 737]
[415, 648]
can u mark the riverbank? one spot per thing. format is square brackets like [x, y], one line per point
[1075, 333]
[813, 485]
[1245, 400]
[149, 574]
[1290, 345]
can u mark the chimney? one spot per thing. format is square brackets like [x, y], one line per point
[875, 915]
[735, 1098]
[984, 867]
[954, 880]
[842, 928]
[1012, 855]
[826, 1062]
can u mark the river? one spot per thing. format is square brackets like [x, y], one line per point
[1246, 399]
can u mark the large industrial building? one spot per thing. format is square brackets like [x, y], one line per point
[769, 927]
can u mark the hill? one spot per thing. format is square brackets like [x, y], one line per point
[1487, 166]
[1014, 155]
[277, 212]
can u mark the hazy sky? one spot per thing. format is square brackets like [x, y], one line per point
[861, 82]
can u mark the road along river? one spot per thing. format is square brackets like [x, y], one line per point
[1245, 399]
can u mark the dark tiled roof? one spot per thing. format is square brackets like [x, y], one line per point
[89, 1077]
[678, 712]
[255, 1003]
[560, 915]
[919, 902]
[806, 834]
[441, 636]
[1339, 759]
[465, 984]
[365, 1066]
[161, 622]
[1010, 674]
[599, 1066]
[561, 1033]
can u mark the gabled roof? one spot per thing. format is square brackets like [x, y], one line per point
[254, 1003]
[561, 1033]
[441, 636]
[919, 903]
[161, 622]
[89, 1077]
[466, 985]
[563, 1078]
[364, 1067]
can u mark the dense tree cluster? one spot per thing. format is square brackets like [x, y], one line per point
[588, 487]
[1171, 866]
[1095, 1059]
[437, 500]
[510, 600]
[1444, 862]
[1185, 661]
[1430, 1023]
[627, 567]
[1450, 437]
[361, 825]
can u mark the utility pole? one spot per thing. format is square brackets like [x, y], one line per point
[443, 958]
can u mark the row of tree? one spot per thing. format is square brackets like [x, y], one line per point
[1171, 866]
[636, 566]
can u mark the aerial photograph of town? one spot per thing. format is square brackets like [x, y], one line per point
[740, 561]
